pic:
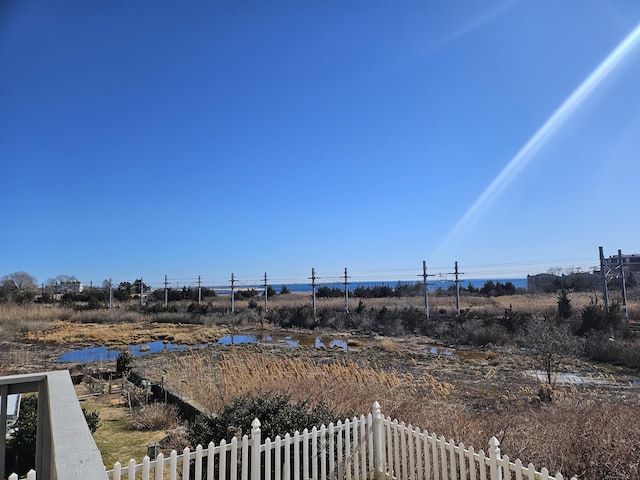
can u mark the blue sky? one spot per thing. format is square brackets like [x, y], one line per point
[140, 138]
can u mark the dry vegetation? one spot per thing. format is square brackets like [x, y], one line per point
[126, 334]
[590, 430]
[215, 381]
[116, 437]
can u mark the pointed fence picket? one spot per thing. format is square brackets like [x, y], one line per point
[31, 475]
[371, 447]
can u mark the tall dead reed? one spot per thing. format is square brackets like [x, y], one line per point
[215, 381]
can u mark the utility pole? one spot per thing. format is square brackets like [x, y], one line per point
[603, 274]
[265, 292]
[457, 280]
[233, 280]
[426, 289]
[110, 294]
[623, 286]
[199, 290]
[166, 293]
[141, 292]
[346, 291]
[457, 292]
[313, 290]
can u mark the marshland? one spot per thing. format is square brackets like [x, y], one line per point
[552, 375]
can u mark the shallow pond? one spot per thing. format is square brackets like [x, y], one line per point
[99, 354]
[286, 340]
[438, 351]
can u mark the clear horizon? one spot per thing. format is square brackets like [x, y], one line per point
[150, 138]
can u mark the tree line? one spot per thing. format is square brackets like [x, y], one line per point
[21, 287]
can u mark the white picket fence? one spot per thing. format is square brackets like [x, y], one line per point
[371, 447]
[30, 476]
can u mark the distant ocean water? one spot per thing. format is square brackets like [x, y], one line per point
[432, 285]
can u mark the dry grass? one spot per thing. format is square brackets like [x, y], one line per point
[535, 304]
[17, 321]
[389, 345]
[214, 381]
[585, 430]
[155, 416]
[595, 440]
[125, 334]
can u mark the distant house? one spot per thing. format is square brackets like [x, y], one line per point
[541, 283]
[67, 286]
[630, 263]
[548, 282]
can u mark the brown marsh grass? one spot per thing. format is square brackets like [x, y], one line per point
[584, 431]
[126, 333]
[17, 320]
[445, 303]
[345, 385]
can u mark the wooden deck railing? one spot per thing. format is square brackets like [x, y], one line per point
[65, 449]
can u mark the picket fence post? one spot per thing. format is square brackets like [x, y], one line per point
[378, 442]
[494, 459]
[255, 449]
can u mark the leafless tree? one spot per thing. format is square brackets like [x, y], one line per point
[18, 287]
[550, 344]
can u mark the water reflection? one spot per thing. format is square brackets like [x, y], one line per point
[86, 355]
[285, 340]
[101, 354]
[438, 351]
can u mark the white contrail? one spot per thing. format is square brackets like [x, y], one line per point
[535, 143]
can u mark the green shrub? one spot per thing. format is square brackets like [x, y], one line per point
[277, 414]
[21, 446]
[124, 363]
[93, 420]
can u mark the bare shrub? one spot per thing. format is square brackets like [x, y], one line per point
[389, 345]
[155, 416]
